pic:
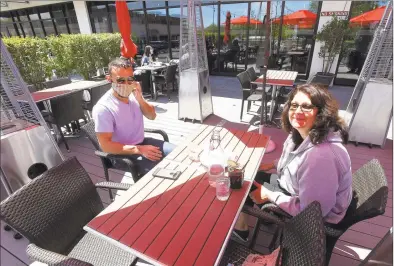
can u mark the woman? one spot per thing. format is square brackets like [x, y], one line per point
[314, 164]
[147, 56]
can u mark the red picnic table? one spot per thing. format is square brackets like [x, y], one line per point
[181, 222]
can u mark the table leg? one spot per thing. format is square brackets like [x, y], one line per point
[273, 103]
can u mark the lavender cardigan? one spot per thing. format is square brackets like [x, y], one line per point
[315, 172]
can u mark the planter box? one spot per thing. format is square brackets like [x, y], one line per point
[324, 80]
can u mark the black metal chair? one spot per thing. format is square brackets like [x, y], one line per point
[303, 242]
[247, 93]
[66, 110]
[144, 77]
[370, 193]
[165, 79]
[252, 73]
[94, 96]
[116, 161]
[56, 82]
[51, 212]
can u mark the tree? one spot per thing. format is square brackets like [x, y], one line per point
[361, 7]
[313, 6]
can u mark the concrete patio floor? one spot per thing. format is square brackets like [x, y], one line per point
[352, 247]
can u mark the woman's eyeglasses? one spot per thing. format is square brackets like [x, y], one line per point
[122, 80]
[304, 107]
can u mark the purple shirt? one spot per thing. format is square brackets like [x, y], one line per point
[124, 121]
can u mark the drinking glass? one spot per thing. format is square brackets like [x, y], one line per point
[223, 188]
[215, 171]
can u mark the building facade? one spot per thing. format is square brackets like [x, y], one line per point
[157, 23]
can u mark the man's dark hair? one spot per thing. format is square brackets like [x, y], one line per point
[327, 115]
[119, 62]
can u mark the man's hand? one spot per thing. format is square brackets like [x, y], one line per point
[258, 195]
[137, 91]
[150, 152]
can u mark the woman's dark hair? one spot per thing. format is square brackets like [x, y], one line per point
[327, 117]
[147, 51]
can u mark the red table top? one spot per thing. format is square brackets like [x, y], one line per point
[181, 222]
[39, 96]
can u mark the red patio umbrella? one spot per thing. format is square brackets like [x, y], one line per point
[300, 16]
[127, 47]
[227, 28]
[243, 20]
[369, 17]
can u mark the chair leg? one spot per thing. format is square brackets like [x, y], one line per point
[63, 138]
[242, 108]
[249, 105]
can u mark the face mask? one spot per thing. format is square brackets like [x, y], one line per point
[124, 90]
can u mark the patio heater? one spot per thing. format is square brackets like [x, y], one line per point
[27, 146]
[195, 100]
[370, 109]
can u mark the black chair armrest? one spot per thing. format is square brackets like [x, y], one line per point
[107, 155]
[271, 207]
[265, 216]
[113, 185]
[159, 75]
[36, 253]
[158, 131]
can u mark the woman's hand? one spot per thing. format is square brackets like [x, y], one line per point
[268, 166]
[259, 195]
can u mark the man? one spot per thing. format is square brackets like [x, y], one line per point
[118, 117]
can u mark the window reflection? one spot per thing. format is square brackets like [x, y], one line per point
[233, 51]
[174, 21]
[356, 44]
[158, 34]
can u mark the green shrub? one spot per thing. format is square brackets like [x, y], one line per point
[67, 54]
[31, 57]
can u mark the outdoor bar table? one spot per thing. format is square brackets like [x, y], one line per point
[276, 78]
[181, 222]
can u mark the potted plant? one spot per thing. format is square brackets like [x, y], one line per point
[331, 37]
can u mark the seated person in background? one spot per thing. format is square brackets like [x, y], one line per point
[147, 56]
[118, 117]
[314, 164]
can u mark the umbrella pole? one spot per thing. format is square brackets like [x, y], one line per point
[263, 114]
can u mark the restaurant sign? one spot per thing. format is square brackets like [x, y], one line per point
[336, 13]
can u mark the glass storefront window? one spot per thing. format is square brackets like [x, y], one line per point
[297, 36]
[158, 33]
[232, 52]
[57, 11]
[255, 53]
[154, 4]
[33, 14]
[134, 5]
[23, 15]
[44, 12]
[48, 26]
[73, 25]
[70, 10]
[210, 19]
[27, 29]
[356, 44]
[38, 29]
[174, 21]
[61, 26]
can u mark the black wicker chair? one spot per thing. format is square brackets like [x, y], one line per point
[51, 212]
[370, 193]
[116, 161]
[94, 96]
[303, 242]
[252, 73]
